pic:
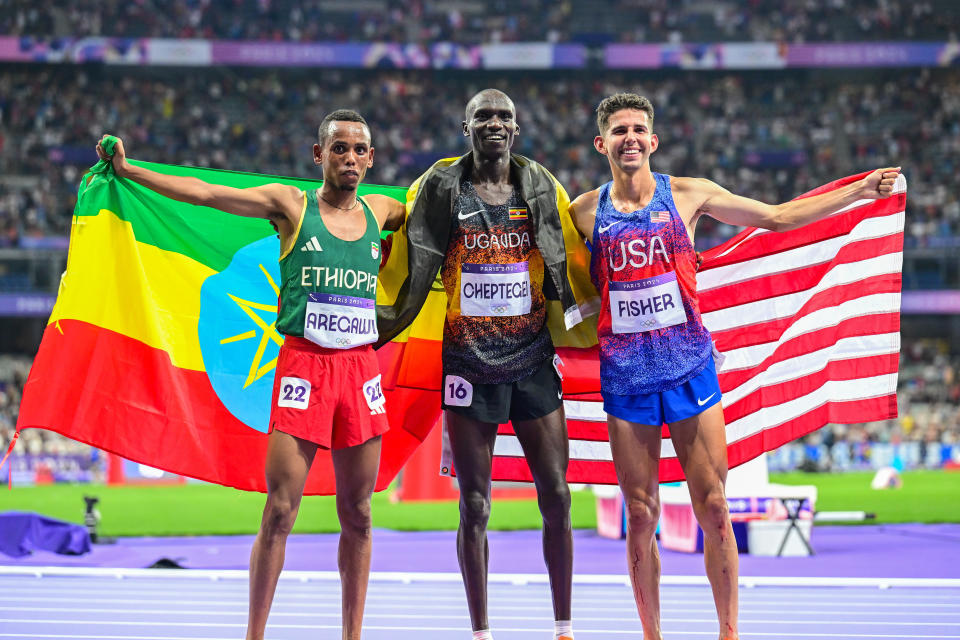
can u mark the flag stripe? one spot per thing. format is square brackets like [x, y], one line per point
[206, 235]
[515, 469]
[177, 422]
[751, 244]
[774, 393]
[864, 388]
[790, 278]
[762, 332]
[877, 316]
[806, 356]
[808, 322]
[133, 288]
[792, 304]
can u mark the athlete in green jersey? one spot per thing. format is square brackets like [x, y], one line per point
[348, 229]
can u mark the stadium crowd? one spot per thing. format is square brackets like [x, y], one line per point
[742, 130]
[489, 21]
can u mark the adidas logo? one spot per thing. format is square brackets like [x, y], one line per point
[312, 245]
[378, 410]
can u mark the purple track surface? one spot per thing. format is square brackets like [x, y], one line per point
[195, 607]
[107, 608]
[867, 551]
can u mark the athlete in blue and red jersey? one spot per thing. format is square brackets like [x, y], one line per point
[656, 357]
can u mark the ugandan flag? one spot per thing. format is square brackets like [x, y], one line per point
[162, 344]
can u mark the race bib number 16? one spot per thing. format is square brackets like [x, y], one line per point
[457, 392]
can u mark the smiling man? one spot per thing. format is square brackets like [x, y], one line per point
[327, 390]
[492, 224]
[656, 357]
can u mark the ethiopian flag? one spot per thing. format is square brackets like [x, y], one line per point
[162, 344]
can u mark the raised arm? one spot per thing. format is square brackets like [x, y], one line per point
[272, 201]
[390, 213]
[698, 195]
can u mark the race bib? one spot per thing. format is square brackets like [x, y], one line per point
[457, 392]
[340, 322]
[294, 393]
[644, 305]
[373, 394]
[495, 289]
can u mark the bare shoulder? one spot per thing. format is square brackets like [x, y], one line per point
[586, 203]
[688, 186]
[388, 211]
[583, 210]
[691, 195]
[381, 203]
[281, 200]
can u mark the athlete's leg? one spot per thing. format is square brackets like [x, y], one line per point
[546, 447]
[636, 456]
[701, 447]
[472, 444]
[356, 473]
[288, 461]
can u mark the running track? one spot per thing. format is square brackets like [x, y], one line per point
[107, 604]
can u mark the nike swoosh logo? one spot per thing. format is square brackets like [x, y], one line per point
[464, 216]
[706, 400]
[602, 229]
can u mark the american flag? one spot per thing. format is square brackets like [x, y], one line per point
[659, 217]
[807, 323]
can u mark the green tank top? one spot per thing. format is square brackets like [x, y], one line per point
[329, 289]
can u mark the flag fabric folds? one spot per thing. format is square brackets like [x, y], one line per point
[162, 344]
[807, 325]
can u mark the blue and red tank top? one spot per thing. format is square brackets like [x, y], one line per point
[645, 268]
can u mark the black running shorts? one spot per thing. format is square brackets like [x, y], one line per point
[535, 396]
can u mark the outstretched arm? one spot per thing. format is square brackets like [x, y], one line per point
[271, 201]
[695, 195]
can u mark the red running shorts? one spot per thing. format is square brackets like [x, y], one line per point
[328, 396]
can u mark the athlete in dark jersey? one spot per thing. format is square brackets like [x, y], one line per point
[498, 358]
[655, 353]
[326, 388]
[495, 327]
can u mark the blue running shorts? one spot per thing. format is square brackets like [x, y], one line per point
[693, 397]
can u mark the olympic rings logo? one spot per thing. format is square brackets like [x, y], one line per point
[499, 310]
[343, 342]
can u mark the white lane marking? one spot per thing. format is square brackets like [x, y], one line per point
[432, 614]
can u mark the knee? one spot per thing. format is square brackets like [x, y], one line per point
[354, 514]
[474, 510]
[712, 511]
[643, 511]
[555, 504]
[278, 517]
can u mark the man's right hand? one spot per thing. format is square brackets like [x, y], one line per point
[118, 159]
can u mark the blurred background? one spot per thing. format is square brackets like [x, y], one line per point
[768, 99]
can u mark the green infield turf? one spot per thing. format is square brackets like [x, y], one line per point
[204, 509]
[926, 496]
[200, 509]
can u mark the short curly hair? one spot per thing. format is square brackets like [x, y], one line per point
[619, 101]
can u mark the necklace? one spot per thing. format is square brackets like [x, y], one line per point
[350, 208]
